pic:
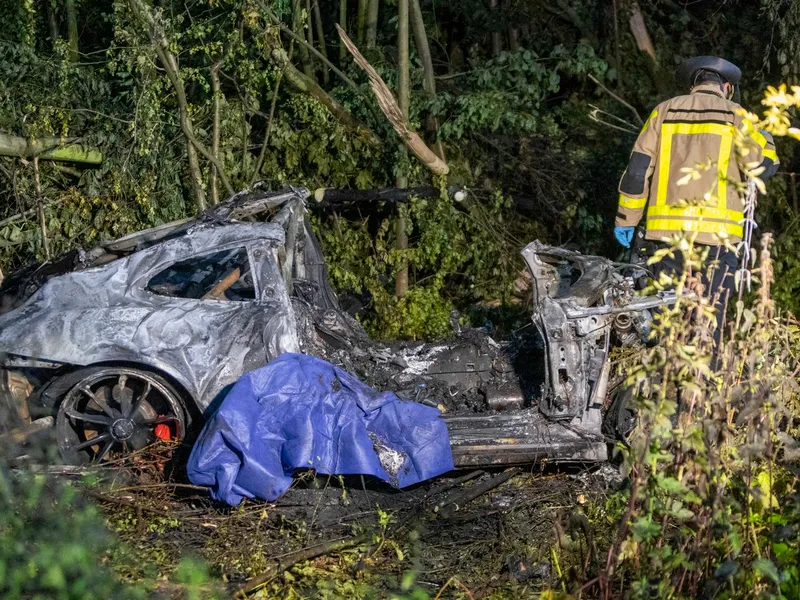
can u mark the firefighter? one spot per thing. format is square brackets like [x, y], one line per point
[684, 132]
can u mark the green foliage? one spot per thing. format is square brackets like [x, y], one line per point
[459, 254]
[508, 93]
[710, 456]
[52, 544]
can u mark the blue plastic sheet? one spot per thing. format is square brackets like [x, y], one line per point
[302, 412]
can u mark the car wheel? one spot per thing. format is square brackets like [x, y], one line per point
[621, 418]
[111, 411]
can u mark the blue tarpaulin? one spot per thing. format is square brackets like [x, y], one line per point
[302, 412]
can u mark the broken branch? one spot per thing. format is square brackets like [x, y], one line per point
[391, 109]
[452, 504]
[49, 148]
[299, 556]
[306, 84]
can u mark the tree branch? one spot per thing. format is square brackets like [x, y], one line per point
[390, 108]
[277, 22]
[169, 62]
[311, 87]
[617, 98]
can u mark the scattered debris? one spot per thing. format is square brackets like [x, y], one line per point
[523, 569]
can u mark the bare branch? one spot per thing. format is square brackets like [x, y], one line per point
[617, 98]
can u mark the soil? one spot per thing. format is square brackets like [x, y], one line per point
[507, 543]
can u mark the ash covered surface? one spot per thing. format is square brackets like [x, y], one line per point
[468, 373]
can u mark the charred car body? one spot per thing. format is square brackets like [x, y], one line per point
[139, 337]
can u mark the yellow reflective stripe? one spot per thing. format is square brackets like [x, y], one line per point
[726, 143]
[652, 116]
[770, 154]
[695, 212]
[760, 138]
[664, 160]
[698, 128]
[695, 225]
[632, 203]
[670, 129]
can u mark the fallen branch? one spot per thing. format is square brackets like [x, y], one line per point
[455, 581]
[456, 501]
[308, 85]
[296, 557]
[49, 148]
[389, 107]
[453, 483]
[595, 113]
[333, 196]
[141, 507]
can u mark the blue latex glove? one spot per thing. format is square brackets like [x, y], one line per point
[624, 235]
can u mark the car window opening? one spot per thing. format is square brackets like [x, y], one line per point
[224, 275]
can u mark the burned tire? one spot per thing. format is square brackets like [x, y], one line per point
[621, 419]
[111, 411]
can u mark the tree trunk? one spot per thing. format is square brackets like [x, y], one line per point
[343, 25]
[362, 20]
[372, 23]
[513, 39]
[299, 30]
[72, 30]
[403, 101]
[497, 41]
[429, 79]
[323, 47]
[196, 175]
[40, 207]
[52, 22]
[215, 88]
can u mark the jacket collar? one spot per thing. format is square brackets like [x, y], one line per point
[707, 88]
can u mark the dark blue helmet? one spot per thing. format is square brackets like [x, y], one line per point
[725, 69]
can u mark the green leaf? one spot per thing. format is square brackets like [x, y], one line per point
[766, 568]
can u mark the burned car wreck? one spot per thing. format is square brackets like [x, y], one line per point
[138, 338]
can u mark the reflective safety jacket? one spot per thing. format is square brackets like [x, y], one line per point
[684, 132]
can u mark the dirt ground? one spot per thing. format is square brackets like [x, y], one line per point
[336, 537]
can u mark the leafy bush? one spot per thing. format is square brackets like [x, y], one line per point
[52, 543]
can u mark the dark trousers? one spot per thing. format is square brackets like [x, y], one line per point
[718, 278]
